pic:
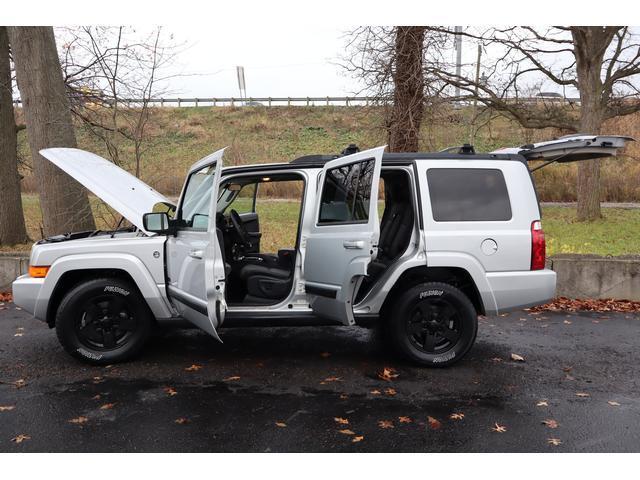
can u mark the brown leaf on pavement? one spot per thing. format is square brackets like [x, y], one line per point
[388, 374]
[21, 438]
[613, 403]
[385, 424]
[19, 383]
[281, 424]
[592, 305]
[542, 403]
[231, 379]
[341, 421]
[330, 379]
[499, 428]
[357, 438]
[554, 441]
[390, 391]
[517, 358]
[434, 423]
[79, 420]
[496, 359]
[405, 419]
[344, 396]
[170, 391]
[193, 368]
[346, 431]
[182, 421]
[107, 406]
[456, 416]
[6, 408]
[96, 397]
[375, 392]
[583, 394]
[550, 422]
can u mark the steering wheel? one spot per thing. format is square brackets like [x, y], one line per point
[238, 226]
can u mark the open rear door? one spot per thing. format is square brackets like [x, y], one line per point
[343, 238]
[571, 148]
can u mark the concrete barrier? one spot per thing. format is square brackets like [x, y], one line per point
[579, 276]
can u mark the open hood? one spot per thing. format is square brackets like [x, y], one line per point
[123, 192]
[571, 148]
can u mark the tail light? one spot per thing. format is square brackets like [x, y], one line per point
[538, 246]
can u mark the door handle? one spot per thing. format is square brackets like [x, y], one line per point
[196, 253]
[353, 244]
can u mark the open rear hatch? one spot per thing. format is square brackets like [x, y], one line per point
[570, 148]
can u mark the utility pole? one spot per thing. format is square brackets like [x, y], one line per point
[458, 31]
[241, 84]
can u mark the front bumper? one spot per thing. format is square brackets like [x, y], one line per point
[516, 290]
[26, 290]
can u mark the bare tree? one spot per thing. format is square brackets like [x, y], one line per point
[64, 203]
[389, 63]
[600, 64]
[12, 226]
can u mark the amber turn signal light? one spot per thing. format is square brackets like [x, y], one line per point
[38, 272]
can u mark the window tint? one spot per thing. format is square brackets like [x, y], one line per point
[346, 193]
[468, 194]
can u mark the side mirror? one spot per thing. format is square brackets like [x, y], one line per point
[156, 222]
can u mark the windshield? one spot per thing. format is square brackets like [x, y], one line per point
[197, 196]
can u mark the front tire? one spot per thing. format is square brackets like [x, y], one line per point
[433, 324]
[103, 321]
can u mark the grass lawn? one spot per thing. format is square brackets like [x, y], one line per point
[617, 233]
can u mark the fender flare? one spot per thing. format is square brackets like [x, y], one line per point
[132, 265]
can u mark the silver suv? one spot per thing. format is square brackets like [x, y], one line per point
[421, 243]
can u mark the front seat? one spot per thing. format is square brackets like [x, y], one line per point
[265, 283]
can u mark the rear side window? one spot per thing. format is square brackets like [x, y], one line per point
[468, 195]
[346, 194]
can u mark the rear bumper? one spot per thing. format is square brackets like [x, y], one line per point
[26, 290]
[515, 290]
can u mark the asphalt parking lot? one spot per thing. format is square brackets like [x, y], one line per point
[319, 389]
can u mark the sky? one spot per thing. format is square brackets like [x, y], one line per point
[292, 61]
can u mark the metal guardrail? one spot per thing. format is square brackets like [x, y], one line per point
[289, 101]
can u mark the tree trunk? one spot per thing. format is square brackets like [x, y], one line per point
[12, 228]
[590, 44]
[408, 98]
[64, 202]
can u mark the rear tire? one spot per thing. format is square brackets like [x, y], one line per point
[103, 321]
[433, 324]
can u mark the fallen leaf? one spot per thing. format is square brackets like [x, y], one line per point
[346, 431]
[385, 424]
[357, 438]
[496, 359]
[21, 438]
[107, 406]
[542, 403]
[434, 423]
[231, 379]
[6, 408]
[325, 354]
[96, 397]
[517, 358]
[98, 380]
[499, 428]
[456, 416]
[375, 392]
[281, 424]
[405, 419]
[79, 420]
[554, 441]
[610, 402]
[19, 383]
[387, 374]
[17, 334]
[182, 421]
[170, 391]
[550, 422]
[390, 391]
[567, 322]
[341, 421]
[583, 394]
[193, 368]
[344, 396]
[332, 379]
[592, 305]
[567, 369]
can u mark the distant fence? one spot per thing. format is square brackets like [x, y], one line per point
[291, 101]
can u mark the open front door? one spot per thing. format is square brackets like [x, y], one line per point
[195, 264]
[343, 238]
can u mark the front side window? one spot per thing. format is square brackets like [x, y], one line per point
[468, 195]
[194, 211]
[346, 194]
